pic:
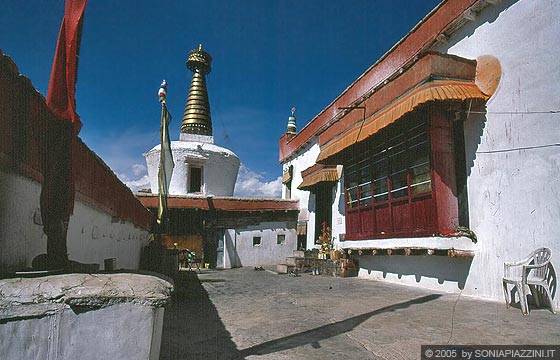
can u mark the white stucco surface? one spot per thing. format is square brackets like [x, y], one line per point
[82, 316]
[513, 165]
[219, 167]
[239, 249]
[93, 235]
[303, 160]
[21, 232]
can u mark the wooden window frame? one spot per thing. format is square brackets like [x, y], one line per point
[411, 214]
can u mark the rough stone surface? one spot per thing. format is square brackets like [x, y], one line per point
[248, 314]
[30, 297]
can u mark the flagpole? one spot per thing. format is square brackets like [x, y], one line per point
[165, 164]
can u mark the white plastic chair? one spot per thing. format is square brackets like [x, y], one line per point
[529, 272]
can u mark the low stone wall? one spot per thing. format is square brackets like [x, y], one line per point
[82, 316]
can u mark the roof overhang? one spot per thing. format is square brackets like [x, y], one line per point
[317, 174]
[434, 77]
[220, 203]
[287, 175]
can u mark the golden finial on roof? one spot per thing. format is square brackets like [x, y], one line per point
[196, 118]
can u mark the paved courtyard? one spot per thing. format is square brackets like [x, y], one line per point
[248, 314]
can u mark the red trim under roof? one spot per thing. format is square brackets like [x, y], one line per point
[402, 53]
[220, 203]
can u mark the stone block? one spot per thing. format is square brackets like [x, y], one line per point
[52, 316]
[284, 268]
[299, 253]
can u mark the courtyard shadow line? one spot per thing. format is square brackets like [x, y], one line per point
[313, 336]
[192, 328]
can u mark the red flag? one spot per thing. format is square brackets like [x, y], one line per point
[57, 192]
[62, 85]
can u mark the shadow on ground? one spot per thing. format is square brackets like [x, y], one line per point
[313, 336]
[192, 327]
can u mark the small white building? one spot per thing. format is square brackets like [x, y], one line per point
[446, 149]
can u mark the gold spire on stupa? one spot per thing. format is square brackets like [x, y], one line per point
[196, 118]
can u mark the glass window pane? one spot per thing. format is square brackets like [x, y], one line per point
[399, 186]
[380, 189]
[352, 196]
[365, 194]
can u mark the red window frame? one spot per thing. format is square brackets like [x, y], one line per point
[397, 210]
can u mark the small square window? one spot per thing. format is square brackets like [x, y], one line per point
[280, 239]
[256, 240]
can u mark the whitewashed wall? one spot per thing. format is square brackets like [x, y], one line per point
[303, 160]
[513, 171]
[219, 174]
[93, 235]
[338, 211]
[239, 249]
[21, 235]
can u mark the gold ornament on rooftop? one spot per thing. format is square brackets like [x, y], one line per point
[196, 118]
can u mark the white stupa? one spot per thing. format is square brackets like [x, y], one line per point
[201, 167]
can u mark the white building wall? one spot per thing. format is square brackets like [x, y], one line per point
[514, 172]
[21, 232]
[239, 250]
[93, 235]
[219, 167]
[513, 159]
[303, 160]
[513, 162]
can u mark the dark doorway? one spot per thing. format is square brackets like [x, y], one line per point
[323, 207]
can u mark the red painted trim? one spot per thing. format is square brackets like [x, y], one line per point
[430, 65]
[416, 41]
[220, 203]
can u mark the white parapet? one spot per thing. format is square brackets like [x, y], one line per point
[52, 317]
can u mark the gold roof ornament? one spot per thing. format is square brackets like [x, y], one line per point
[196, 118]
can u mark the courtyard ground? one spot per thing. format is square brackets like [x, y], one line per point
[248, 314]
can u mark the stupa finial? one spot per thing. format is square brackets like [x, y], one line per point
[292, 122]
[196, 118]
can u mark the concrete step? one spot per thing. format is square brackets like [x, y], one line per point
[284, 268]
[299, 253]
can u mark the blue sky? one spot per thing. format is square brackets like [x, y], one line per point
[269, 55]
